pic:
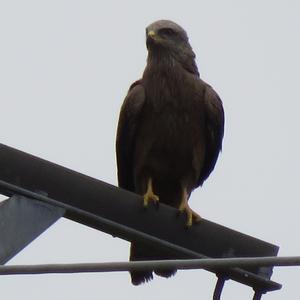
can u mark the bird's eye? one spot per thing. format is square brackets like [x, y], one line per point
[167, 32]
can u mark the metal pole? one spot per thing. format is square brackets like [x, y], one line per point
[257, 295]
[183, 264]
[219, 288]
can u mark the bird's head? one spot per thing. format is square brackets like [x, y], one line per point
[165, 34]
[165, 38]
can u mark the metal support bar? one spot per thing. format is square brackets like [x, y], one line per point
[257, 295]
[21, 221]
[180, 264]
[120, 213]
[219, 287]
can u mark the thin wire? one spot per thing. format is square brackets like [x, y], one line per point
[183, 264]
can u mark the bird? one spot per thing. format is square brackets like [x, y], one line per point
[169, 133]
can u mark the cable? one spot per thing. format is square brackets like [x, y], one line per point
[221, 263]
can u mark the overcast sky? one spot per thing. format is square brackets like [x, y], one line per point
[65, 67]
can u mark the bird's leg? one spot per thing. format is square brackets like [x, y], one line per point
[184, 207]
[149, 195]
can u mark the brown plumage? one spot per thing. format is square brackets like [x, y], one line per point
[170, 131]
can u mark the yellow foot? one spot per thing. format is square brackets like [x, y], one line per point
[191, 215]
[150, 196]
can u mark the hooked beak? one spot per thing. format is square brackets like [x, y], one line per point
[152, 38]
[151, 34]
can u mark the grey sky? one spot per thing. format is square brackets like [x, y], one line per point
[65, 67]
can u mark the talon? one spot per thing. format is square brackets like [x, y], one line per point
[191, 215]
[150, 196]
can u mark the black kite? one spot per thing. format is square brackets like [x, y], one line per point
[170, 131]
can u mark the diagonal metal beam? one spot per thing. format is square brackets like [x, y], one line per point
[120, 213]
[21, 221]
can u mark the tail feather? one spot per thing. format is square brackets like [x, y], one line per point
[139, 277]
[140, 252]
[165, 272]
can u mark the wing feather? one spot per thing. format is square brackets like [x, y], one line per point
[214, 130]
[126, 133]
